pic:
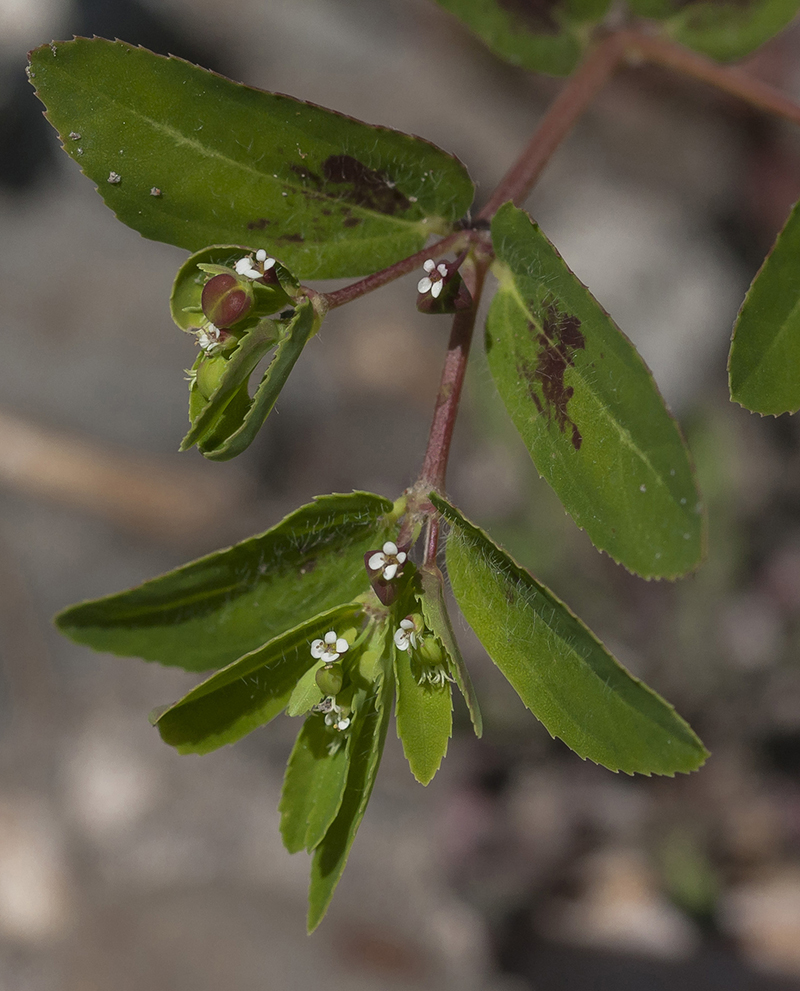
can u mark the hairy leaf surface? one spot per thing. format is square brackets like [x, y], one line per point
[424, 718]
[559, 669]
[313, 786]
[203, 160]
[368, 736]
[764, 362]
[247, 693]
[213, 610]
[541, 35]
[434, 610]
[587, 408]
[724, 29]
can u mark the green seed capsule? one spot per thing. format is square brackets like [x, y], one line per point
[209, 374]
[430, 652]
[330, 679]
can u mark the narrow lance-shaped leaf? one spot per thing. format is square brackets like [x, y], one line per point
[424, 716]
[587, 408]
[213, 610]
[544, 37]
[434, 609]
[313, 785]
[724, 29]
[186, 156]
[298, 332]
[366, 747]
[764, 363]
[560, 670]
[247, 693]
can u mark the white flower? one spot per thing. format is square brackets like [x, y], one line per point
[254, 270]
[210, 338]
[406, 635]
[333, 713]
[330, 648]
[433, 281]
[389, 560]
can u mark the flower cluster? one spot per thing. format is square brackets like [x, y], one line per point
[407, 636]
[330, 648]
[433, 282]
[333, 713]
[255, 269]
[389, 560]
[212, 339]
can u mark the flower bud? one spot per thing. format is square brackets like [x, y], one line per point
[226, 299]
[209, 374]
[330, 678]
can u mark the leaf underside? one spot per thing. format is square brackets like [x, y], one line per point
[204, 160]
[424, 719]
[211, 611]
[560, 670]
[588, 410]
[764, 364]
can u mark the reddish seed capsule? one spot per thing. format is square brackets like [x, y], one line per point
[226, 300]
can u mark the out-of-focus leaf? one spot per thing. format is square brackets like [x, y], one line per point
[559, 669]
[249, 692]
[434, 611]
[213, 610]
[764, 363]
[724, 29]
[541, 35]
[588, 410]
[186, 156]
[313, 785]
[366, 746]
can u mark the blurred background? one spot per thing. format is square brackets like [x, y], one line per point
[124, 865]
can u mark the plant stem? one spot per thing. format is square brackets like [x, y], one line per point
[578, 93]
[453, 242]
[731, 80]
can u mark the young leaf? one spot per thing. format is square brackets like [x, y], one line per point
[366, 746]
[186, 156]
[313, 785]
[434, 611]
[764, 364]
[238, 369]
[424, 718]
[299, 330]
[249, 692]
[306, 692]
[543, 37]
[559, 669]
[588, 410]
[213, 610]
[724, 30]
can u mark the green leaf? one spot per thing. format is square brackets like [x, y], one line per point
[366, 746]
[213, 610]
[764, 363]
[724, 30]
[424, 719]
[544, 37]
[559, 669]
[249, 692]
[588, 410]
[298, 332]
[327, 195]
[306, 692]
[313, 786]
[434, 611]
